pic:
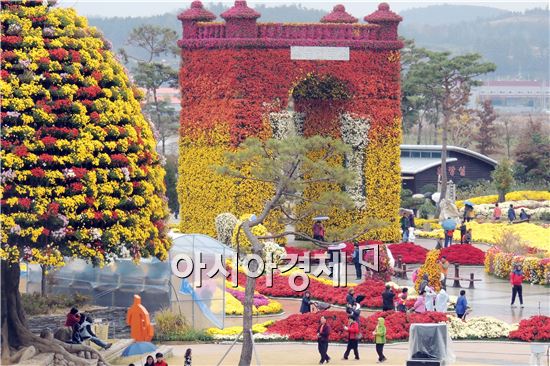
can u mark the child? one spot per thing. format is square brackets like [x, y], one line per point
[380, 339]
[463, 232]
[468, 237]
[461, 306]
[160, 360]
[187, 357]
[402, 300]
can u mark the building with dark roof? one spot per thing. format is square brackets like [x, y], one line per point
[421, 165]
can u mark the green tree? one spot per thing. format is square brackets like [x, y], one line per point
[171, 181]
[448, 80]
[533, 154]
[503, 179]
[152, 75]
[487, 132]
[153, 39]
[287, 166]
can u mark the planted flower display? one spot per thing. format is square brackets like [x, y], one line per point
[536, 328]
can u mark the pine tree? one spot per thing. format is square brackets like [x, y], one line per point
[487, 132]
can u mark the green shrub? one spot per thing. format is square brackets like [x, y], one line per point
[426, 209]
[172, 326]
[428, 188]
[36, 304]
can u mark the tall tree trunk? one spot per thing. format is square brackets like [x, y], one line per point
[247, 349]
[419, 135]
[15, 330]
[446, 117]
[44, 280]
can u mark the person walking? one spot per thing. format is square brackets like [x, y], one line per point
[497, 212]
[380, 339]
[405, 225]
[306, 303]
[318, 231]
[387, 299]
[356, 312]
[463, 231]
[187, 357]
[430, 298]
[419, 306]
[516, 280]
[353, 342]
[511, 214]
[323, 333]
[448, 238]
[461, 306]
[355, 258]
[441, 301]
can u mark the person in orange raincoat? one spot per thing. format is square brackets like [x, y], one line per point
[138, 319]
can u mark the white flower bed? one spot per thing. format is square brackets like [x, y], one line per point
[533, 208]
[263, 337]
[225, 222]
[485, 327]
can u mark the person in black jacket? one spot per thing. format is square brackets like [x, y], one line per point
[306, 303]
[387, 299]
[350, 300]
[323, 333]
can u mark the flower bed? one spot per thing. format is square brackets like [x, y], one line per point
[536, 328]
[478, 328]
[511, 196]
[234, 303]
[410, 253]
[463, 254]
[500, 264]
[303, 327]
[532, 235]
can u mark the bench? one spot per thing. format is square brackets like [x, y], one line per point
[401, 268]
[456, 278]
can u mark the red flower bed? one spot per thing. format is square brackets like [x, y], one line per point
[536, 328]
[371, 289]
[409, 252]
[304, 326]
[464, 254]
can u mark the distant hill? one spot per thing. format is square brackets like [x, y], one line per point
[516, 42]
[448, 14]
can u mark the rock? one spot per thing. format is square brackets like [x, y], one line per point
[46, 334]
[88, 355]
[64, 334]
[58, 356]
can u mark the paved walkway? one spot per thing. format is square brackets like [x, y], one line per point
[467, 353]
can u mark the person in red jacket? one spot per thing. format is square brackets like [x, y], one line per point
[516, 280]
[72, 318]
[353, 338]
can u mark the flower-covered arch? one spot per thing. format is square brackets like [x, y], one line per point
[237, 79]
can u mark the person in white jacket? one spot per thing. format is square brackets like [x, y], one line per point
[441, 301]
[430, 298]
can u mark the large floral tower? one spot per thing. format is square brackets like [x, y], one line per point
[242, 78]
[80, 175]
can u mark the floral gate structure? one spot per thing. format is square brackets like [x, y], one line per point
[335, 78]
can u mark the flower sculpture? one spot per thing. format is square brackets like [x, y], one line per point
[239, 79]
[80, 175]
[431, 268]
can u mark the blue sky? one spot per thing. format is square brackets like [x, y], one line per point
[108, 8]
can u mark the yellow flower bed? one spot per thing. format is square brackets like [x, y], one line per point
[256, 328]
[511, 196]
[532, 235]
